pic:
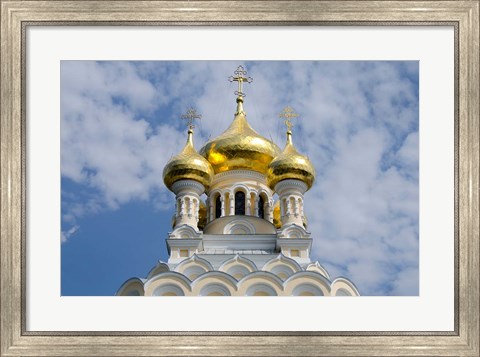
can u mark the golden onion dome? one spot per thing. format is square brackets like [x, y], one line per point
[240, 147]
[290, 165]
[188, 165]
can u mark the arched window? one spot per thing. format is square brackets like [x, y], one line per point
[218, 207]
[261, 204]
[239, 203]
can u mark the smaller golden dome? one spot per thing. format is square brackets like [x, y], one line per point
[188, 165]
[290, 165]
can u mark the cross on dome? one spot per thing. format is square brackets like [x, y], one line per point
[288, 114]
[240, 77]
[190, 116]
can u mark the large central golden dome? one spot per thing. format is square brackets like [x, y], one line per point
[240, 147]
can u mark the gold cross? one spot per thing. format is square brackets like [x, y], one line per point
[190, 116]
[240, 77]
[288, 114]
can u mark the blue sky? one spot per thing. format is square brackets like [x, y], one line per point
[358, 124]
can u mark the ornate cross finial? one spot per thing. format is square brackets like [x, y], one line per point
[240, 77]
[190, 116]
[288, 114]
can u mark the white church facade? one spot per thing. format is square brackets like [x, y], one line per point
[250, 237]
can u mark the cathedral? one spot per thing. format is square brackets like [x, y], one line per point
[250, 236]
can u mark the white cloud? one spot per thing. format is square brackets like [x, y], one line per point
[65, 235]
[106, 143]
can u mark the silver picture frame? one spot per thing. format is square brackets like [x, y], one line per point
[18, 16]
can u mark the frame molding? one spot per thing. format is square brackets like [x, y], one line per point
[17, 15]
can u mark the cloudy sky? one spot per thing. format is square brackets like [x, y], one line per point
[358, 124]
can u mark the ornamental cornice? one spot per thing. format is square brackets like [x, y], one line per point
[188, 184]
[283, 260]
[286, 184]
[194, 260]
[238, 260]
[302, 243]
[239, 173]
[293, 231]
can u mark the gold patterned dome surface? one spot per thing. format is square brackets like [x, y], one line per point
[240, 147]
[188, 164]
[290, 165]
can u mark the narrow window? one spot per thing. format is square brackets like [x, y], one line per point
[239, 203]
[218, 207]
[261, 203]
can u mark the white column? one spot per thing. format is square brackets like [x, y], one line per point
[248, 204]
[269, 204]
[212, 211]
[296, 210]
[255, 204]
[289, 207]
[222, 201]
[189, 203]
[196, 208]
[182, 206]
[232, 203]
[207, 203]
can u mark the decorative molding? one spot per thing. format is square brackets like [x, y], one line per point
[185, 232]
[161, 267]
[190, 243]
[299, 281]
[196, 261]
[316, 266]
[165, 279]
[180, 185]
[239, 174]
[282, 260]
[242, 224]
[238, 260]
[132, 283]
[291, 184]
[344, 283]
[293, 231]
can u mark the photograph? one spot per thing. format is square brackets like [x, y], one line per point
[239, 178]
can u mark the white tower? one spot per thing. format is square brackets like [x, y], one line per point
[187, 174]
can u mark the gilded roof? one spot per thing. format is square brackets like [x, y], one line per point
[188, 164]
[290, 165]
[240, 147]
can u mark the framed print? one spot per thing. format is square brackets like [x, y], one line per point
[388, 103]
